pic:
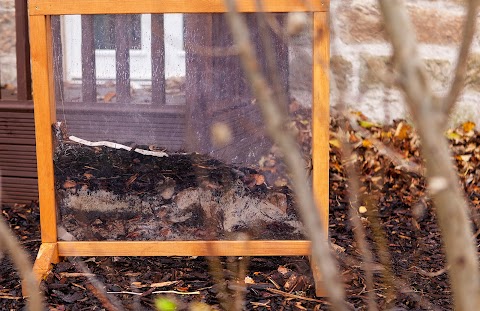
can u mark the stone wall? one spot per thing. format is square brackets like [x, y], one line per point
[361, 56]
[7, 42]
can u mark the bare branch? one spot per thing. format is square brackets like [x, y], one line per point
[452, 210]
[97, 288]
[275, 121]
[461, 68]
[358, 229]
[20, 259]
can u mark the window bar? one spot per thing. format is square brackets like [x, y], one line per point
[24, 81]
[89, 85]
[57, 57]
[158, 60]
[122, 59]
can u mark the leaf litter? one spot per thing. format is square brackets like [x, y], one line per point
[384, 155]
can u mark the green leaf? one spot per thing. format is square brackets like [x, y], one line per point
[165, 304]
[366, 124]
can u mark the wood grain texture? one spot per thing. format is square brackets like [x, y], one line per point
[55, 7]
[321, 126]
[321, 114]
[47, 254]
[185, 248]
[42, 70]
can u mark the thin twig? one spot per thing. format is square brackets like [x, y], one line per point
[22, 263]
[358, 229]
[399, 282]
[431, 274]
[460, 71]
[96, 287]
[288, 295]
[381, 241]
[10, 297]
[157, 292]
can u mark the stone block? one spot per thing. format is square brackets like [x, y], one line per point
[439, 72]
[341, 70]
[472, 79]
[376, 72]
[7, 5]
[437, 26]
[362, 23]
[7, 33]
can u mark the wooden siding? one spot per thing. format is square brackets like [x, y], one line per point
[17, 131]
[18, 164]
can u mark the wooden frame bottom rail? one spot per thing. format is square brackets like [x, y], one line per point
[184, 248]
[50, 252]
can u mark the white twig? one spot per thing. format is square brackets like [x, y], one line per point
[113, 145]
[157, 292]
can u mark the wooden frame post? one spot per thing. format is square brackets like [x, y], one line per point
[40, 12]
[321, 125]
[44, 110]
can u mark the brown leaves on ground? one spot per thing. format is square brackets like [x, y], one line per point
[390, 165]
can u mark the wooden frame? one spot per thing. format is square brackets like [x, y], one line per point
[40, 12]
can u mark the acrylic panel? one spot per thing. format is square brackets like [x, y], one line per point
[159, 136]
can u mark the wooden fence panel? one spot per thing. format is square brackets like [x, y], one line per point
[17, 130]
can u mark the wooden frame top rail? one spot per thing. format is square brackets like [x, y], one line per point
[68, 7]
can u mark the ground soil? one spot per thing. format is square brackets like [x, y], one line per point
[392, 197]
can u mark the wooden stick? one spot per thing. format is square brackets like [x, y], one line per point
[117, 146]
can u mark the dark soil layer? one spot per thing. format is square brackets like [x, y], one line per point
[110, 194]
[392, 195]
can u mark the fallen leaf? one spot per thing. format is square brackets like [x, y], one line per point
[164, 284]
[69, 184]
[451, 135]
[109, 96]
[367, 143]
[283, 270]
[464, 158]
[367, 124]
[335, 143]
[259, 179]
[402, 130]
[249, 280]
[468, 126]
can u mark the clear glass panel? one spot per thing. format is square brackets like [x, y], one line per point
[166, 141]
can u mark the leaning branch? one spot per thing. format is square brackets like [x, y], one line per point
[443, 183]
[20, 259]
[275, 120]
[450, 99]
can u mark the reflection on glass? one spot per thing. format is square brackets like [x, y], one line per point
[142, 154]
